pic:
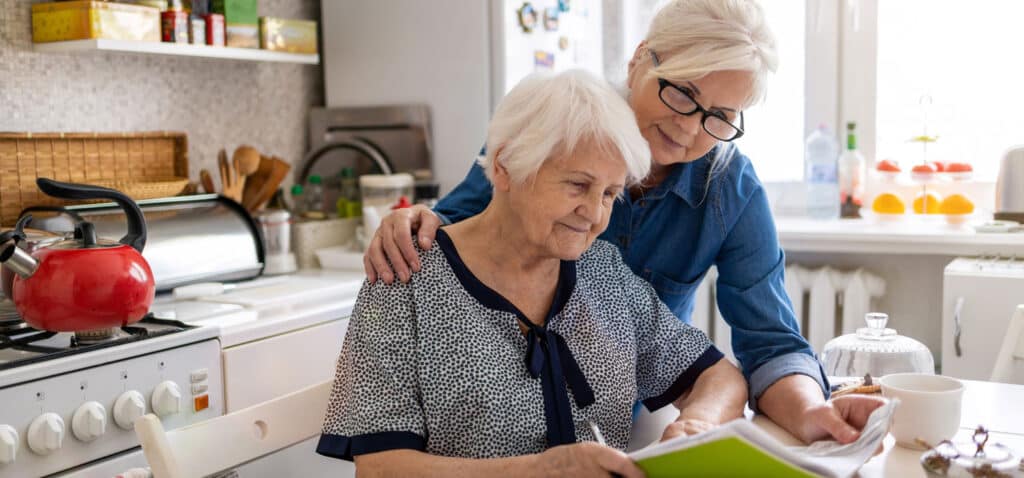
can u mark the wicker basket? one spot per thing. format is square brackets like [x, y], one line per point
[141, 165]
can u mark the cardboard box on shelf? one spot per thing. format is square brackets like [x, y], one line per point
[292, 36]
[83, 20]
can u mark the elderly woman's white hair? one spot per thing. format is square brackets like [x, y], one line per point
[547, 115]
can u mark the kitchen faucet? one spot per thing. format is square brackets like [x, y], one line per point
[364, 146]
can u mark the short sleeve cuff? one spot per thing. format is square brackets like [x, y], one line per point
[347, 447]
[686, 379]
[783, 366]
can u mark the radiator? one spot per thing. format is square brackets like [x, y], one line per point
[827, 302]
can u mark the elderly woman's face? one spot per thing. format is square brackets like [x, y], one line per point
[568, 203]
[676, 138]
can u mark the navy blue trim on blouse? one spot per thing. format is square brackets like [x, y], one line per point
[686, 379]
[548, 356]
[347, 448]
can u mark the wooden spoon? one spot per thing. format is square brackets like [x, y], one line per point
[246, 160]
[207, 180]
[228, 178]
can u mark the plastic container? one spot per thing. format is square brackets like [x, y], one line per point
[380, 193]
[349, 203]
[875, 350]
[314, 194]
[298, 200]
[821, 174]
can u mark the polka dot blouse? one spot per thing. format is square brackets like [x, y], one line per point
[440, 364]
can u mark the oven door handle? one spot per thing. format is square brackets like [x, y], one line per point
[957, 326]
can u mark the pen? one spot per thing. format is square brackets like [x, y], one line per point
[597, 432]
[600, 439]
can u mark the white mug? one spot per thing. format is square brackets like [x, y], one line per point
[929, 407]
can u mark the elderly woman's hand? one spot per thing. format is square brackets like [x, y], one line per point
[393, 241]
[586, 459]
[840, 418]
[684, 427]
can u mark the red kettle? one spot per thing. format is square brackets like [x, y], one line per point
[84, 283]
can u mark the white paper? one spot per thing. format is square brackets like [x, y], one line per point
[826, 458]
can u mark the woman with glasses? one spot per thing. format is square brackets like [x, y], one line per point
[702, 63]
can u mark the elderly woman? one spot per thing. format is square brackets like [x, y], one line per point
[703, 62]
[519, 330]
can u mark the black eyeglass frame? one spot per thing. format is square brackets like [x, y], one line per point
[705, 114]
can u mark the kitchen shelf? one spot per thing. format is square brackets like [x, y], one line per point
[861, 236]
[176, 49]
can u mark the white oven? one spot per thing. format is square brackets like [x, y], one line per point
[283, 336]
[979, 296]
[68, 409]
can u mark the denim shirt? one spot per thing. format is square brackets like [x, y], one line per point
[672, 234]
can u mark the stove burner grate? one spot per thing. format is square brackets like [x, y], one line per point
[27, 345]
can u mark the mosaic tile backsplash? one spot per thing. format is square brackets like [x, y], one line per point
[218, 103]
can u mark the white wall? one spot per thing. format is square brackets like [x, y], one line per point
[367, 65]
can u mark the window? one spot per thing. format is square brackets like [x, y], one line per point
[775, 128]
[964, 56]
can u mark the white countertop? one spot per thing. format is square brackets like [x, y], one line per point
[302, 300]
[906, 236]
[994, 405]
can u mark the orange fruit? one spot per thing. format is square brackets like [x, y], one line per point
[956, 204]
[888, 203]
[927, 202]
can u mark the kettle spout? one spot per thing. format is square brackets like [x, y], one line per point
[17, 260]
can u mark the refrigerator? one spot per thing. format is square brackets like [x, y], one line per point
[459, 57]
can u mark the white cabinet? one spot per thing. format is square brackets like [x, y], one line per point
[989, 292]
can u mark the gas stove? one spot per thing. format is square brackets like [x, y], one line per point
[71, 399]
[22, 345]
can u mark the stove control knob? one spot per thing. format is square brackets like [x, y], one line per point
[8, 444]
[166, 399]
[89, 421]
[129, 406]
[46, 433]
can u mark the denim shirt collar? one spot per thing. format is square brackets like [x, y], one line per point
[686, 180]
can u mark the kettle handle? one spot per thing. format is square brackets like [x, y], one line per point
[136, 237]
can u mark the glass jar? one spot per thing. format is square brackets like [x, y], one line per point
[380, 193]
[875, 350]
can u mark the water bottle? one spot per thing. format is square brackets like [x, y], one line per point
[821, 168]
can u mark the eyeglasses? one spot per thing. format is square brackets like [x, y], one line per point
[680, 100]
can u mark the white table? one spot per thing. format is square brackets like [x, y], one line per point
[997, 406]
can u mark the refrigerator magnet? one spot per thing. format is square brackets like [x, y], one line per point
[563, 5]
[543, 60]
[563, 43]
[527, 17]
[551, 19]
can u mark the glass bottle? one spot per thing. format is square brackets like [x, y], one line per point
[852, 171]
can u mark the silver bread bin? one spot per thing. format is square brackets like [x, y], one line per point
[190, 239]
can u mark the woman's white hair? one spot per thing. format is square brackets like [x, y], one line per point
[547, 115]
[693, 38]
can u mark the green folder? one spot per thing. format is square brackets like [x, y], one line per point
[728, 457]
